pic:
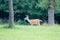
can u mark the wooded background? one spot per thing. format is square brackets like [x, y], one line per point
[34, 8]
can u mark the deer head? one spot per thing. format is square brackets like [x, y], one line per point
[26, 18]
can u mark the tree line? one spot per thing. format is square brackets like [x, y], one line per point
[32, 7]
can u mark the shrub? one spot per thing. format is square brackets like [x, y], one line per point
[22, 22]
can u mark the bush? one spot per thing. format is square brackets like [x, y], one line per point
[22, 22]
[3, 21]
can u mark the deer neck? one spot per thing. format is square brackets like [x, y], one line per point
[28, 20]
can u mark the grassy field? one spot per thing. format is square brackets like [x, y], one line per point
[27, 32]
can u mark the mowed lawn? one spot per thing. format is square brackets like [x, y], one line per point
[27, 32]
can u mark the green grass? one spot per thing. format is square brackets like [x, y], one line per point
[27, 32]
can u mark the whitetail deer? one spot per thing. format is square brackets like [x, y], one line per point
[33, 21]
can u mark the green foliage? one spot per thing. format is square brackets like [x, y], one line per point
[4, 5]
[29, 6]
[43, 4]
[21, 22]
[3, 21]
[57, 6]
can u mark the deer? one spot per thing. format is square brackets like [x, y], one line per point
[33, 21]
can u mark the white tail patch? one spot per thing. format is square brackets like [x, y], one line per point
[33, 21]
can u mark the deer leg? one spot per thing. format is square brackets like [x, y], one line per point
[39, 24]
[31, 24]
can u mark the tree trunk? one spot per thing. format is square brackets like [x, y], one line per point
[51, 12]
[11, 14]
